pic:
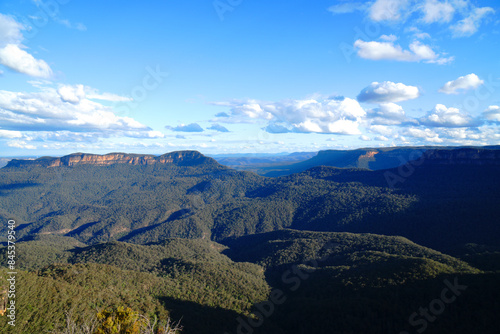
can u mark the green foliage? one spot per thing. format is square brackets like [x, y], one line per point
[97, 238]
[43, 297]
[143, 204]
[119, 320]
[42, 250]
[288, 247]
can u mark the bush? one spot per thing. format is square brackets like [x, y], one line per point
[119, 320]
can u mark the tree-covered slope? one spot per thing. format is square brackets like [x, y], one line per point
[443, 206]
[152, 279]
[332, 279]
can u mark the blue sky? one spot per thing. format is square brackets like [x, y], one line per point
[240, 76]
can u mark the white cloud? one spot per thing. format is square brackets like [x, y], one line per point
[381, 138]
[245, 110]
[418, 51]
[470, 24]
[365, 138]
[338, 115]
[388, 10]
[10, 134]
[13, 54]
[469, 81]
[425, 134]
[10, 30]
[389, 38]
[492, 113]
[422, 35]
[455, 133]
[417, 33]
[107, 97]
[75, 93]
[381, 129]
[21, 61]
[387, 91]
[441, 116]
[462, 17]
[71, 94]
[62, 136]
[21, 144]
[437, 11]
[46, 110]
[387, 114]
[382, 51]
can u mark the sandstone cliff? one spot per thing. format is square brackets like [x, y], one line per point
[186, 158]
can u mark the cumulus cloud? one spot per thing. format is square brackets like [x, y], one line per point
[337, 115]
[389, 38]
[418, 34]
[21, 61]
[48, 110]
[365, 138]
[417, 52]
[437, 11]
[462, 17]
[71, 94]
[492, 113]
[469, 81]
[10, 30]
[441, 116]
[21, 144]
[387, 91]
[76, 93]
[218, 127]
[13, 54]
[424, 134]
[459, 134]
[387, 114]
[470, 24]
[10, 134]
[381, 129]
[388, 10]
[193, 127]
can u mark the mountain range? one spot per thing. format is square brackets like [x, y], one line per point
[353, 246]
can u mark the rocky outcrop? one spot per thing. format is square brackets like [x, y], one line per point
[462, 156]
[184, 158]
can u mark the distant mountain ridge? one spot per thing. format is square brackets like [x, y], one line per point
[391, 157]
[190, 158]
[273, 166]
[463, 156]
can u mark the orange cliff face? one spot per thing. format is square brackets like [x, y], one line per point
[368, 155]
[181, 157]
[108, 159]
[364, 160]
